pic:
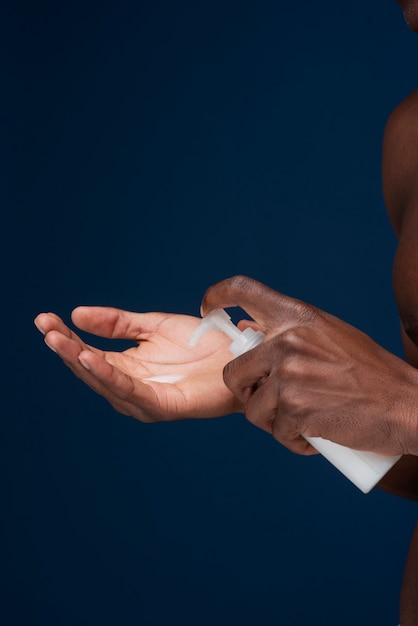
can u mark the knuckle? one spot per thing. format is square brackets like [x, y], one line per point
[289, 405]
[307, 313]
[301, 313]
[259, 416]
[261, 412]
[287, 432]
[293, 338]
[238, 283]
[292, 369]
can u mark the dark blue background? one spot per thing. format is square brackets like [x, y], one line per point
[149, 150]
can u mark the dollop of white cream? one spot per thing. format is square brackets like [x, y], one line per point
[170, 379]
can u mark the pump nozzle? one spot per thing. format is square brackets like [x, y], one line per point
[242, 341]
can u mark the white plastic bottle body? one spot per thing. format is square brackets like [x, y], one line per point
[364, 469]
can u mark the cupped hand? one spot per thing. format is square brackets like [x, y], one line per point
[317, 376]
[132, 380]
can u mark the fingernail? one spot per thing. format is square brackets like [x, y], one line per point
[41, 330]
[83, 362]
[50, 347]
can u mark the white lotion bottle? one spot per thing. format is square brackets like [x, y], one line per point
[364, 469]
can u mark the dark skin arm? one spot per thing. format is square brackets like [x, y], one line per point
[400, 186]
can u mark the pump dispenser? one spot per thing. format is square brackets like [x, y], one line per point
[364, 469]
[242, 341]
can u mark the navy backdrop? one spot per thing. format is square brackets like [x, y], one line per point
[150, 149]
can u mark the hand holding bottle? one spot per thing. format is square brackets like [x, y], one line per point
[316, 376]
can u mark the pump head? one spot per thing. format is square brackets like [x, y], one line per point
[242, 341]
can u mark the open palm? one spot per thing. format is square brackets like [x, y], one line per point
[161, 378]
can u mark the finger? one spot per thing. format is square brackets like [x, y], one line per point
[117, 383]
[90, 366]
[69, 350]
[117, 323]
[244, 374]
[262, 405]
[47, 322]
[290, 438]
[263, 409]
[67, 345]
[56, 333]
[265, 305]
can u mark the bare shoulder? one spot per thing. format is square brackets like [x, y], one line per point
[400, 158]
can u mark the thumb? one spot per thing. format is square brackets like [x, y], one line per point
[269, 308]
